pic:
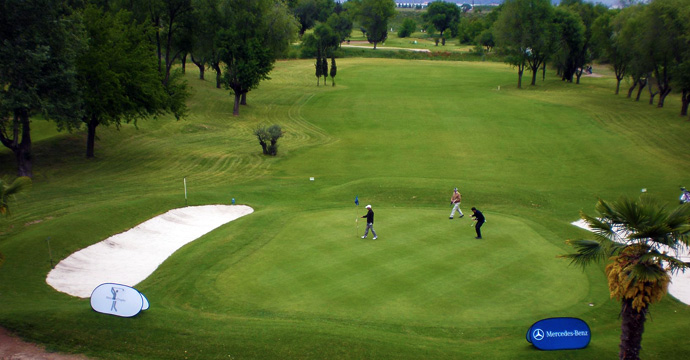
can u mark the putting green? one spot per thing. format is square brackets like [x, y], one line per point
[423, 269]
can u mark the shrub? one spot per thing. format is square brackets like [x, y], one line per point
[268, 138]
[408, 27]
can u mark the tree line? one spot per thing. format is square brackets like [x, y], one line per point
[108, 62]
[649, 43]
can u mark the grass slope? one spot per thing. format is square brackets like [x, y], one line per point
[293, 280]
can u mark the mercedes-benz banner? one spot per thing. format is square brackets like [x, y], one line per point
[563, 333]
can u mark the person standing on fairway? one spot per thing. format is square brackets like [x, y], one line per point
[455, 202]
[479, 218]
[370, 223]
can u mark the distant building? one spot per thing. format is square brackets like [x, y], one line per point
[412, 4]
[423, 4]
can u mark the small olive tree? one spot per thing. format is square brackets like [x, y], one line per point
[268, 138]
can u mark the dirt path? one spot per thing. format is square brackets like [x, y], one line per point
[14, 348]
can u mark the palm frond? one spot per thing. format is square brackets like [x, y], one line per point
[645, 226]
[675, 266]
[653, 256]
[647, 272]
[8, 191]
[601, 227]
[19, 184]
[589, 251]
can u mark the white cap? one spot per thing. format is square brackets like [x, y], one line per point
[368, 206]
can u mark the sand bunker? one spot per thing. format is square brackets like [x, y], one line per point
[680, 282]
[130, 257]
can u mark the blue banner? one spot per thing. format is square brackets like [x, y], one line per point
[559, 334]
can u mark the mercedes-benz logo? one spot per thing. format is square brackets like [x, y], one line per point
[538, 334]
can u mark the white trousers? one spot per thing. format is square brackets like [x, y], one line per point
[456, 208]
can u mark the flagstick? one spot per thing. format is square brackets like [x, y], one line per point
[357, 221]
[357, 216]
[185, 190]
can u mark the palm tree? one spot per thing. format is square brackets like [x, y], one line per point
[8, 191]
[638, 238]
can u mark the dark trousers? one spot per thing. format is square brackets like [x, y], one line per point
[478, 228]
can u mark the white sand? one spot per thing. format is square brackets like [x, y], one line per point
[130, 257]
[680, 282]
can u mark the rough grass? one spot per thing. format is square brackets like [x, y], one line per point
[293, 280]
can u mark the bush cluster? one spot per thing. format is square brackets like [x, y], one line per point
[268, 138]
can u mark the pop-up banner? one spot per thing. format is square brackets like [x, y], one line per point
[118, 300]
[564, 333]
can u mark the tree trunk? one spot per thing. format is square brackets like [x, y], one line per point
[243, 100]
[22, 151]
[620, 74]
[201, 65]
[184, 63]
[578, 74]
[642, 83]
[91, 137]
[535, 70]
[663, 95]
[534, 66]
[685, 100]
[236, 107]
[652, 94]
[168, 49]
[632, 327]
[521, 69]
[216, 67]
[663, 83]
[156, 25]
[632, 88]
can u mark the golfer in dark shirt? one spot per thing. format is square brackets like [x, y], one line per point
[370, 223]
[479, 218]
